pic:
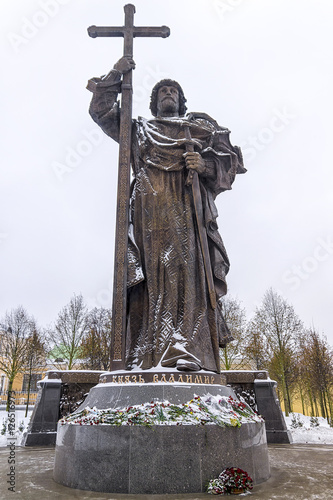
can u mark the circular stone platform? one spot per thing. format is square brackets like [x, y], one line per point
[157, 460]
[162, 459]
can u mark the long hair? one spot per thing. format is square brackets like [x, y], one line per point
[169, 83]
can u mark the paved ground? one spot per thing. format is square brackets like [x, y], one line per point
[298, 472]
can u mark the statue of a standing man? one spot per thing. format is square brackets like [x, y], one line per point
[170, 320]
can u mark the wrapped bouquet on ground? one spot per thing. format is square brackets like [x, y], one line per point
[231, 481]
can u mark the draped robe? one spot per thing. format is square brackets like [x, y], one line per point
[169, 316]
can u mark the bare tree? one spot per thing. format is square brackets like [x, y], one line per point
[35, 357]
[232, 356]
[282, 367]
[255, 348]
[317, 357]
[16, 326]
[277, 321]
[95, 347]
[69, 330]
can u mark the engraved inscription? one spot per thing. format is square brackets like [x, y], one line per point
[173, 378]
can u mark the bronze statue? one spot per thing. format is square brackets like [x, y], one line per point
[174, 277]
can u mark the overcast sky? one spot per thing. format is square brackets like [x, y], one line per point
[262, 68]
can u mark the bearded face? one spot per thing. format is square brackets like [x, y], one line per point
[167, 101]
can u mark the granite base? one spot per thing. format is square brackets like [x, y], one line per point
[157, 460]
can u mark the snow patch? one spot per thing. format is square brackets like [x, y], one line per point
[322, 434]
[21, 425]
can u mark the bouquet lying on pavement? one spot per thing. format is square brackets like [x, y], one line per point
[232, 480]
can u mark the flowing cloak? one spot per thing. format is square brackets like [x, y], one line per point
[169, 316]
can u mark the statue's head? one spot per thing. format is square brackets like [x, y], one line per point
[156, 95]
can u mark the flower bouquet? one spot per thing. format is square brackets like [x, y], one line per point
[232, 481]
[208, 409]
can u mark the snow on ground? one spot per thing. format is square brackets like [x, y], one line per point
[322, 434]
[21, 424]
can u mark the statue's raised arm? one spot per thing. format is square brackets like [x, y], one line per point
[104, 107]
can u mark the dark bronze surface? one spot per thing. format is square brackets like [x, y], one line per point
[169, 316]
[193, 180]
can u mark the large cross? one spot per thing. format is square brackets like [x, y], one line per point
[128, 32]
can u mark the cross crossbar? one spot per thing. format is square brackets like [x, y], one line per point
[142, 31]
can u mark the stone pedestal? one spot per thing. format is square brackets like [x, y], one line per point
[157, 460]
[42, 429]
[255, 386]
[122, 389]
[269, 406]
[258, 390]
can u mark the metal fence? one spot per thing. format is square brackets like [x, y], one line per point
[20, 397]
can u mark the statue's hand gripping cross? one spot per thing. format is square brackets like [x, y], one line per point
[128, 32]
